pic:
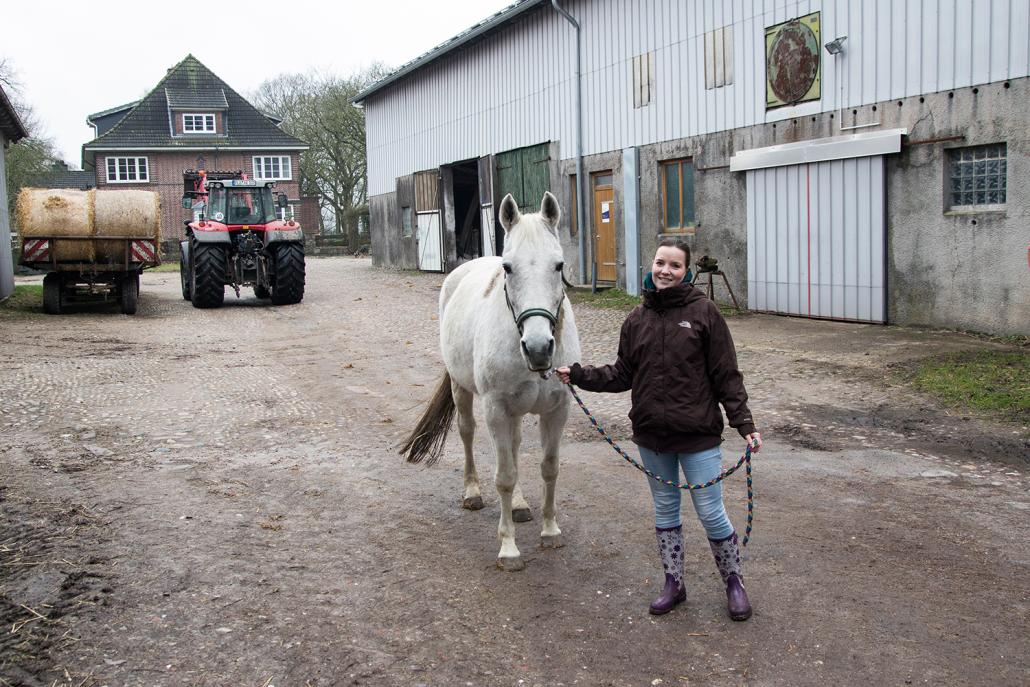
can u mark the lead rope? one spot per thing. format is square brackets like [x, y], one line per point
[746, 458]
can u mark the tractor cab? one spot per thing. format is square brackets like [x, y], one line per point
[231, 198]
[241, 203]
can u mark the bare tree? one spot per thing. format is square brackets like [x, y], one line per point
[318, 110]
[29, 160]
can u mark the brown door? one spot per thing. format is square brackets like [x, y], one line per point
[604, 226]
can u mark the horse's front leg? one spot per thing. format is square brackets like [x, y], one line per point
[520, 511]
[471, 497]
[551, 426]
[502, 429]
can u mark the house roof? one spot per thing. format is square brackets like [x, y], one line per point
[147, 126]
[470, 35]
[201, 98]
[110, 111]
[10, 123]
[70, 178]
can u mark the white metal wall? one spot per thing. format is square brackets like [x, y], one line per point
[516, 88]
[6, 261]
[816, 239]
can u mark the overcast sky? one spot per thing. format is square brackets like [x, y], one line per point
[77, 58]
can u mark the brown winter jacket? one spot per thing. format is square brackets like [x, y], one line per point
[676, 354]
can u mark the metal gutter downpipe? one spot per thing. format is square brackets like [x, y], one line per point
[583, 226]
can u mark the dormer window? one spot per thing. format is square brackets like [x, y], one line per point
[198, 123]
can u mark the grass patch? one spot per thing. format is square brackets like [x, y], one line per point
[27, 298]
[615, 299]
[995, 383]
[165, 267]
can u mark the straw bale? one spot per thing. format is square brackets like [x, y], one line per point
[42, 213]
[131, 213]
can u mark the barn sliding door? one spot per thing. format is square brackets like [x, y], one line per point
[427, 211]
[816, 239]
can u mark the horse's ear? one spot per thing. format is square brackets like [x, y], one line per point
[550, 211]
[509, 213]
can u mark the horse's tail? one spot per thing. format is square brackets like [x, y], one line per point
[427, 439]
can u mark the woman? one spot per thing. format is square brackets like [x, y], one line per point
[676, 354]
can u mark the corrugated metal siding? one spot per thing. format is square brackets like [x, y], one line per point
[6, 260]
[816, 239]
[517, 88]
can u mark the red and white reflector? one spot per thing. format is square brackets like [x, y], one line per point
[35, 250]
[143, 251]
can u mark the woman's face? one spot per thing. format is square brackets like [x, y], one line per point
[669, 268]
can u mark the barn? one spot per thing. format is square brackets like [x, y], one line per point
[857, 161]
[11, 131]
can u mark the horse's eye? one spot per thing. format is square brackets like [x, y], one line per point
[507, 267]
[559, 267]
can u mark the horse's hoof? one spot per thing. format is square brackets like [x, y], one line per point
[552, 541]
[521, 514]
[511, 564]
[472, 503]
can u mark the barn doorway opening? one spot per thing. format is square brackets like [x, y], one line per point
[467, 217]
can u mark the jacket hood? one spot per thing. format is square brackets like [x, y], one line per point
[672, 297]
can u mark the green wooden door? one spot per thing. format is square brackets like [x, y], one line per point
[536, 177]
[524, 173]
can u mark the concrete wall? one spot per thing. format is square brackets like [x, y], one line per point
[959, 270]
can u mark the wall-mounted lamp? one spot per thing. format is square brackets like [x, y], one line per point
[836, 46]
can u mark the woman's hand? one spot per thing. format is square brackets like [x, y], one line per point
[563, 374]
[754, 440]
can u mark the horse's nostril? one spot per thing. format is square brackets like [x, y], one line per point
[550, 347]
[525, 348]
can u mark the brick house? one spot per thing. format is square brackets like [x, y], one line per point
[193, 119]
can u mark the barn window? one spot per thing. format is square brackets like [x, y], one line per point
[719, 57]
[406, 220]
[678, 196]
[978, 177]
[121, 170]
[643, 79]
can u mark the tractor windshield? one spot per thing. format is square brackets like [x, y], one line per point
[241, 205]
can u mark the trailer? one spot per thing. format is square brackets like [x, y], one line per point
[93, 245]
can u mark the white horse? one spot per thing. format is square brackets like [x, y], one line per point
[504, 322]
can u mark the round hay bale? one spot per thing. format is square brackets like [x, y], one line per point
[125, 213]
[43, 213]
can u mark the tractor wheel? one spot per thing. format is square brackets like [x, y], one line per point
[261, 292]
[52, 289]
[184, 277]
[208, 272]
[289, 274]
[128, 293]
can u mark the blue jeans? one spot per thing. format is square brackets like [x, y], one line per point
[698, 468]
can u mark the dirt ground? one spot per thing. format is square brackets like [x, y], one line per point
[214, 498]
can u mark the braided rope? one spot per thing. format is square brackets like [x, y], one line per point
[746, 458]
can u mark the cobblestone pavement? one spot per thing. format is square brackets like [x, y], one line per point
[213, 497]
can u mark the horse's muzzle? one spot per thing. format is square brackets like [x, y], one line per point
[538, 353]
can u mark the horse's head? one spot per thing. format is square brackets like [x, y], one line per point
[533, 263]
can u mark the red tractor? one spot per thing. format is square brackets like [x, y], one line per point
[237, 238]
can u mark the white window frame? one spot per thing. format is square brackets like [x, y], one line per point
[288, 212]
[285, 168]
[206, 118]
[131, 170]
